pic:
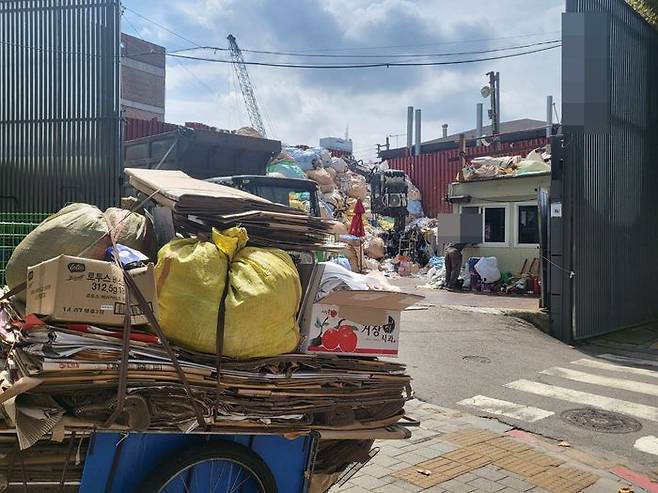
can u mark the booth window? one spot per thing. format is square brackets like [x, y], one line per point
[528, 225]
[494, 225]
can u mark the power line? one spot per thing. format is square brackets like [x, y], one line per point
[369, 65]
[162, 27]
[438, 43]
[401, 55]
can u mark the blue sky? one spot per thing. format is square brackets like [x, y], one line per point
[300, 106]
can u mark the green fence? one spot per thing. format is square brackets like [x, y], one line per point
[14, 226]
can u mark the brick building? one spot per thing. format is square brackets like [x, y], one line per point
[142, 79]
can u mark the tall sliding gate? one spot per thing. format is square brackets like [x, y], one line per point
[604, 193]
[60, 130]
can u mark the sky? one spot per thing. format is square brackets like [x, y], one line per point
[301, 105]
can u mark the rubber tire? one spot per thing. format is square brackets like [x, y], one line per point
[220, 449]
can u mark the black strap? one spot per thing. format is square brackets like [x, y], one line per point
[153, 322]
[219, 333]
[67, 461]
[133, 289]
[115, 464]
[13, 292]
[122, 386]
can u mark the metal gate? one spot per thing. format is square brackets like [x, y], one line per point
[60, 131]
[605, 238]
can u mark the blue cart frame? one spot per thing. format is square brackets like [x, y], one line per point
[118, 462]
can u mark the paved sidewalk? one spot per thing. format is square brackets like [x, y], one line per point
[456, 452]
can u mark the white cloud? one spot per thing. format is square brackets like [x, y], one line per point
[301, 107]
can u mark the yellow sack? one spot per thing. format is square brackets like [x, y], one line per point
[263, 296]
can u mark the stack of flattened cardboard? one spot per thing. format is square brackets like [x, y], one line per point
[198, 206]
[70, 372]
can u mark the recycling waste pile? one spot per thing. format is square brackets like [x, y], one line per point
[342, 183]
[197, 313]
[487, 167]
[409, 247]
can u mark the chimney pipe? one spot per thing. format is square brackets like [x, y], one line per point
[410, 127]
[478, 121]
[445, 129]
[417, 153]
[549, 116]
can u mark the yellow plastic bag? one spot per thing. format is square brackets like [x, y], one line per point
[263, 296]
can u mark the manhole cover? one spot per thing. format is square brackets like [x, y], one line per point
[601, 421]
[477, 359]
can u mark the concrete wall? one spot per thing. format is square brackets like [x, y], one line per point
[508, 193]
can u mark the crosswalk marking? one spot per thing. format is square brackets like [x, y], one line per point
[617, 383]
[630, 361]
[648, 444]
[641, 411]
[602, 365]
[506, 408]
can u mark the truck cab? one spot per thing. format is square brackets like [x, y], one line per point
[291, 192]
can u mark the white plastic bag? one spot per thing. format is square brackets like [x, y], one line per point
[487, 267]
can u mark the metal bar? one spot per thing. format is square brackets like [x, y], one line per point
[479, 109]
[410, 128]
[549, 116]
[417, 136]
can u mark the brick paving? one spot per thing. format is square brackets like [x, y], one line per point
[455, 452]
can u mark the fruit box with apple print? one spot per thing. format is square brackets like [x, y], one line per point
[361, 323]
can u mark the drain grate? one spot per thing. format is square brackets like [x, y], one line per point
[601, 421]
[477, 359]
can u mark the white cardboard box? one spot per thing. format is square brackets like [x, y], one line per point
[357, 323]
[73, 289]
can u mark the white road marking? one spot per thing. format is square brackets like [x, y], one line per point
[506, 408]
[602, 365]
[626, 359]
[641, 411]
[648, 444]
[616, 383]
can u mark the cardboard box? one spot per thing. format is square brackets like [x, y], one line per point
[357, 323]
[74, 289]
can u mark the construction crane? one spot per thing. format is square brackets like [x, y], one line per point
[246, 86]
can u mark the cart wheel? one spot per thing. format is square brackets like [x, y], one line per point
[217, 467]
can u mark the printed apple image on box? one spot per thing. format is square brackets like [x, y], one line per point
[357, 323]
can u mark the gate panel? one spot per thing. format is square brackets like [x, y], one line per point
[610, 167]
[60, 104]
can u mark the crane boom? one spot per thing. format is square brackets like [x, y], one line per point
[246, 86]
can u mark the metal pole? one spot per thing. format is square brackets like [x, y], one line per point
[388, 143]
[478, 121]
[417, 150]
[410, 127]
[462, 157]
[549, 116]
[498, 113]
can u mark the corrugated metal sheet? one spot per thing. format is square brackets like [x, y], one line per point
[60, 127]
[609, 172]
[136, 129]
[432, 173]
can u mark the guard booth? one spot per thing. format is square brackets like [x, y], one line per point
[603, 210]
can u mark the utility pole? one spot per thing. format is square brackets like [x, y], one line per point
[494, 95]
